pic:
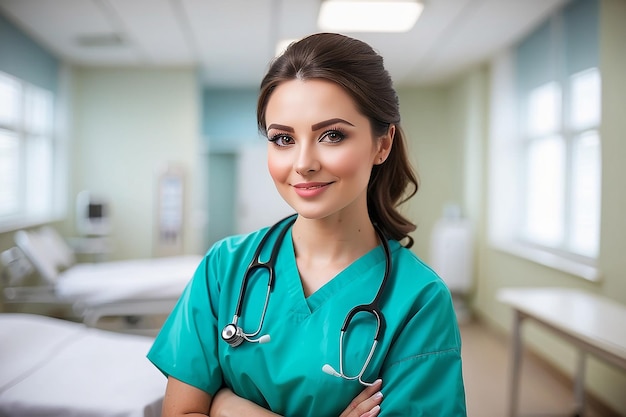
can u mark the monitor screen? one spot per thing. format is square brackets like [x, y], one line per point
[96, 211]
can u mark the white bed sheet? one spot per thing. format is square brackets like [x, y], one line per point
[107, 282]
[51, 367]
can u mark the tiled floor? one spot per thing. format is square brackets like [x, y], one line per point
[486, 373]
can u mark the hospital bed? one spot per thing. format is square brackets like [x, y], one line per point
[127, 288]
[53, 367]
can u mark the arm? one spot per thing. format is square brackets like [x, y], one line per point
[423, 375]
[228, 404]
[184, 400]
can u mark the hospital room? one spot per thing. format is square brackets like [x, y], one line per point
[134, 156]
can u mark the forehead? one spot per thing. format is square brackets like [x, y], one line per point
[310, 99]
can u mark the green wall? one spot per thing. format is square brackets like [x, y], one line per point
[129, 125]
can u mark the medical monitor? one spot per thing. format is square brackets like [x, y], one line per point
[92, 215]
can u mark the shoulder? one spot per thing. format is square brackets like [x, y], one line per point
[411, 268]
[231, 255]
[237, 243]
[415, 284]
[419, 311]
[235, 246]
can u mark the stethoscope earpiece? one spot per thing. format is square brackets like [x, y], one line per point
[330, 370]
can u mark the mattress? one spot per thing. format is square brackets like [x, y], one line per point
[108, 282]
[52, 367]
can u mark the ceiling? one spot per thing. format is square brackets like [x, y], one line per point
[232, 41]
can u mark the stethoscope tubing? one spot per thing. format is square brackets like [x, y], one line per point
[234, 335]
[256, 263]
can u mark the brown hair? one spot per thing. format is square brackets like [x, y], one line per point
[356, 67]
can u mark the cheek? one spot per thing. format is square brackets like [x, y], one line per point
[276, 167]
[351, 164]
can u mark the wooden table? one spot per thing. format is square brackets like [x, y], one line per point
[594, 324]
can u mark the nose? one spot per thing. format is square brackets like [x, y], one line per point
[307, 160]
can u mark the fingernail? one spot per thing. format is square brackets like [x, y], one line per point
[378, 395]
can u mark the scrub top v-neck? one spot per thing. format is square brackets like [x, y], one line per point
[285, 375]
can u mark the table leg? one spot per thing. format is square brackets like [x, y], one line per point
[516, 357]
[579, 384]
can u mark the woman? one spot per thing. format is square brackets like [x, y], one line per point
[337, 155]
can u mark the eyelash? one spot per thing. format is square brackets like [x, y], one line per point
[275, 138]
[341, 135]
[338, 132]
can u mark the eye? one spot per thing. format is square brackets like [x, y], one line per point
[281, 140]
[333, 136]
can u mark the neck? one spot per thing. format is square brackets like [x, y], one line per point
[326, 247]
[333, 237]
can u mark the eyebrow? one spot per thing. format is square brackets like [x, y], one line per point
[280, 127]
[329, 122]
[314, 127]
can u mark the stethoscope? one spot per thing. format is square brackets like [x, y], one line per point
[234, 335]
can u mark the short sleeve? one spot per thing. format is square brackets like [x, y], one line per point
[186, 346]
[423, 374]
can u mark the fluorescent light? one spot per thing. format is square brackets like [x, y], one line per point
[368, 16]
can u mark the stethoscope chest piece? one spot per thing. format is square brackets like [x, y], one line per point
[233, 335]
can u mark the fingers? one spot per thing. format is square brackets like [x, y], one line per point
[372, 413]
[371, 406]
[367, 403]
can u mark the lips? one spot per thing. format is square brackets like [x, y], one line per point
[311, 189]
[311, 185]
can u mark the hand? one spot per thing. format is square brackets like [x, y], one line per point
[367, 403]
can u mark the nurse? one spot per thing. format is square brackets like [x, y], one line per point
[337, 155]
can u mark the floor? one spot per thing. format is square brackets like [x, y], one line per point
[486, 371]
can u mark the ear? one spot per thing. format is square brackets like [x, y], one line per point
[385, 143]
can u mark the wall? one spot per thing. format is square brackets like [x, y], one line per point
[228, 124]
[22, 57]
[128, 125]
[221, 196]
[436, 155]
[229, 118]
[496, 269]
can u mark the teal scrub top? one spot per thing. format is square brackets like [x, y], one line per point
[418, 356]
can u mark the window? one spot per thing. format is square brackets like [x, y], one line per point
[27, 151]
[562, 165]
[546, 162]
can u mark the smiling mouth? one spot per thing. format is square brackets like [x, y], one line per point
[311, 186]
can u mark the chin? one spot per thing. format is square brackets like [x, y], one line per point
[310, 213]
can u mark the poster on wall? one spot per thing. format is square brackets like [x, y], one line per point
[170, 209]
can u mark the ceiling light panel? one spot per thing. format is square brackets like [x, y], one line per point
[368, 16]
